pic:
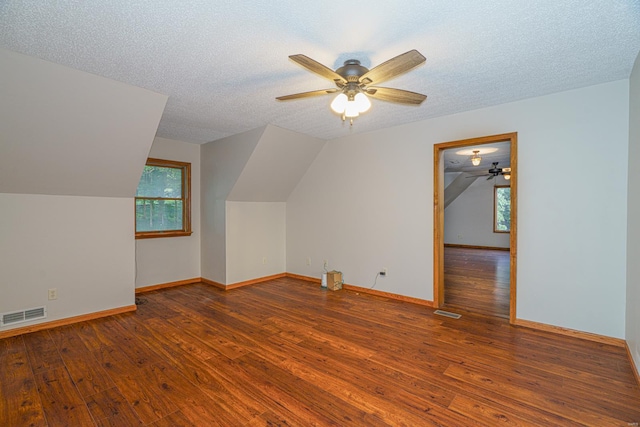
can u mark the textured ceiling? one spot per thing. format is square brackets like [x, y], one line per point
[459, 159]
[222, 63]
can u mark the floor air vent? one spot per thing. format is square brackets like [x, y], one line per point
[448, 314]
[23, 316]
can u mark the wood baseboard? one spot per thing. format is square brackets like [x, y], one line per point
[389, 295]
[305, 278]
[492, 248]
[66, 321]
[634, 367]
[354, 288]
[168, 285]
[212, 283]
[618, 342]
[244, 283]
[254, 281]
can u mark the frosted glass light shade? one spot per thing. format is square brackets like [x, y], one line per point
[351, 109]
[362, 102]
[475, 159]
[339, 103]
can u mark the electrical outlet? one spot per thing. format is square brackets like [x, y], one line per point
[384, 272]
[264, 260]
[308, 260]
[459, 236]
[53, 293]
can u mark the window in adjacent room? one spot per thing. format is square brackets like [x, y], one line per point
[163, 205]
[502, 209]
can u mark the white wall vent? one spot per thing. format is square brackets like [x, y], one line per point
[23, 316]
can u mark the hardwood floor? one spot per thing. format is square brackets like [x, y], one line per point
[476, 280]
[287, 353]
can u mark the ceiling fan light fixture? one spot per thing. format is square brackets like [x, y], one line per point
[506, 173]
[339, 104]
[362, 102]
[353, 82]
[350, 106]
[475, 159]
[351, 110]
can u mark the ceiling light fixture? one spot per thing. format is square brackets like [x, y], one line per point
[475, 159]
[506, 173]
[355, 83]
[350, 102]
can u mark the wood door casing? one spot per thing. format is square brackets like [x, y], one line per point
[438, 213]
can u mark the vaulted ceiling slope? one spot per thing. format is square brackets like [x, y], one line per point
[260, 165]
[277, 163]
[67, 132]
[222, 63]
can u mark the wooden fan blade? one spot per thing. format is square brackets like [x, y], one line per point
[393, 67]
[306, 94]
[318, 68]
[396, 95]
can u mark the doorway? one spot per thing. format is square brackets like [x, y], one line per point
[510, 140]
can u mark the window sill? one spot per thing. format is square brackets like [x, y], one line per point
[157, 234]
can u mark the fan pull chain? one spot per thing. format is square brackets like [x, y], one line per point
[350, 119]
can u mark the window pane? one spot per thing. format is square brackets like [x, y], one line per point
[158, 181]
[162, 199]
[503, 209]
[158, 215]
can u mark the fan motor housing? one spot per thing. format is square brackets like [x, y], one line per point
[352, 70]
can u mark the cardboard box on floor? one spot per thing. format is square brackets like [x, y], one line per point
[334, 280]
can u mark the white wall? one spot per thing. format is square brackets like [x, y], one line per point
[72, 148]
[67, 132]
[632, 334]
[468, 220]
[171, 259]
[363, 205]
[366, 203]
[449, 177]
[262, 165]
[255, 240]
[221, 162]
[276, 165]
[83, 246]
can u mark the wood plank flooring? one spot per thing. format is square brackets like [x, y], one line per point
[476, 280]
[287, 353]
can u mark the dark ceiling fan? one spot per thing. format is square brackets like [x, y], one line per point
[495, 171]
[353, 81]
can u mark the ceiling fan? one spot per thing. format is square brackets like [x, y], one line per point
[495, 171]
[353, 82]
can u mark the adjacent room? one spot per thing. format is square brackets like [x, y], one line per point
[477, 228]
[284, 213]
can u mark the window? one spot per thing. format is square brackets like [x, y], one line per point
[163, 205]
[502, 209]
